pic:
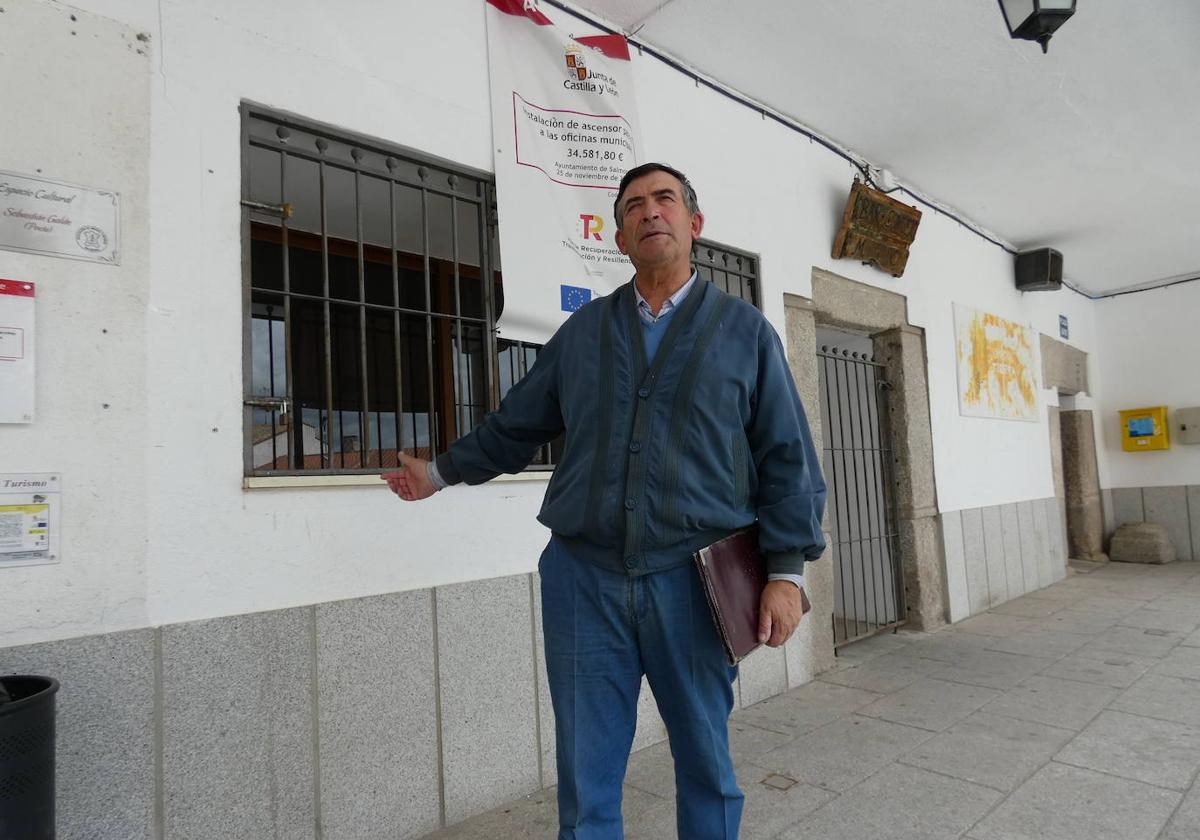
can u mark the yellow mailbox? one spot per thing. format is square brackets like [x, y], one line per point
[1144, 429]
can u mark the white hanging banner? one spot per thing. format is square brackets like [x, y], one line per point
[565, 126]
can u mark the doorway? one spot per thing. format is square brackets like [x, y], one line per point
[877, 321]
[1073, 451]
[857, 453]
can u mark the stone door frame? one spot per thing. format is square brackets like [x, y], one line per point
[1073, 450]
[846, 304]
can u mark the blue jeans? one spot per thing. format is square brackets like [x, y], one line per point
[603, 631]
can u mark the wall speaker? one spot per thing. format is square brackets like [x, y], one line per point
[1040, 270]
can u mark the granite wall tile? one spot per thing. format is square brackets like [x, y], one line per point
[1110, 516]
[956, 566]
[1029, 549]
[975, 558]
[1012, 550]
[104, 727]
[1127, 506]
[1056, 528]
[238, 758]
[549, 766]
[993, 541]
[1042, 543]
[1193, 500]
[761, 675]
[488, 684]
[1169, 506]
[378, 737]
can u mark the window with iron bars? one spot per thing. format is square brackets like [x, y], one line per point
[515, 360]
[730, 270]
[372, 289]
[373, 285]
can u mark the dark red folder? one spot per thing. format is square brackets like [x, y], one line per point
[734, 574]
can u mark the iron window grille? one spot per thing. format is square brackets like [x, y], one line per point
[372, 283]
[730, 270]
[515, 359]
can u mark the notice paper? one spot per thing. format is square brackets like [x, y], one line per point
[16, 351]
[29, 518]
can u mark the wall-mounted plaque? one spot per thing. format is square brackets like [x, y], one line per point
[40, 216]
[29, 518]
[876, 229]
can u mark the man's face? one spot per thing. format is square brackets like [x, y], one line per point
[656, 227]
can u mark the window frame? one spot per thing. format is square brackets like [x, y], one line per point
[488, 275]
[751, 277]
[544, 460]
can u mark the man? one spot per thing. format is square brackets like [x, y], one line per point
[682, 425]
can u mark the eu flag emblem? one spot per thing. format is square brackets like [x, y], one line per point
[574, 297]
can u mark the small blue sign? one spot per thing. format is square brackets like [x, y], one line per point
[1062, 327]
[573, 297]
[1141, 426]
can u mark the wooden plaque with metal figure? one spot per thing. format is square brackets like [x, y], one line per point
[876, 229]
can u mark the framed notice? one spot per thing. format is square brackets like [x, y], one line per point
[40, 216]
[29, 518]
[16, 351]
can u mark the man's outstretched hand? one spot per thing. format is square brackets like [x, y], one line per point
[410, 482]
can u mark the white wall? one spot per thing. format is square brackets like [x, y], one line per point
[1149, 356]
[191, 541]
[781, 196]
[76, 106]
[158, 527]
[412, 73]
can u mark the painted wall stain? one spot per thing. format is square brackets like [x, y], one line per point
[995, 361]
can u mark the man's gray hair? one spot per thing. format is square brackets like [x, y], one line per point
[689, 193]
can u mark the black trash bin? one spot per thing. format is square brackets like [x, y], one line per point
[27, 757]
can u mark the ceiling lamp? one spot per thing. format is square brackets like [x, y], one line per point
[1036, 20]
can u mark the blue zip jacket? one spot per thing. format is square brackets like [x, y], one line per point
[661, 458]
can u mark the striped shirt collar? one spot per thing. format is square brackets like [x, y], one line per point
[670, 303]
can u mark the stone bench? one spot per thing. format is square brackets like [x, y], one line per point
[1142, 542]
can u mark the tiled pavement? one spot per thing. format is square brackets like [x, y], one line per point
[1070, 713]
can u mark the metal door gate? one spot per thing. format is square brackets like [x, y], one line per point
[868, 586]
